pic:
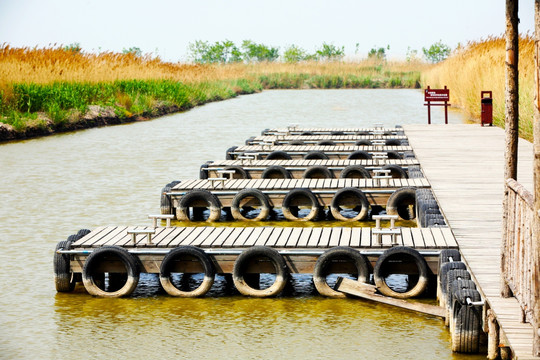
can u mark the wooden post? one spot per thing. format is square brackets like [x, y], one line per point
[511, 117]
[536, 165]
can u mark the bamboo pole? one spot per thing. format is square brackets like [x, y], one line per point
[511, 119]
[536, 233]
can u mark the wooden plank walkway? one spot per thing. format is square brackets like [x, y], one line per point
[319, 131]
[464, 164]
[244, 237]
[337, 163]
[322, 148]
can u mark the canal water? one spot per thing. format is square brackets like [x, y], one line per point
[54, 186]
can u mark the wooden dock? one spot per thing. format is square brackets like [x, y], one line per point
[464, 164]
[296, 168]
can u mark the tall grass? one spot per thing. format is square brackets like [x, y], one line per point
[53, 87]
[481, 66]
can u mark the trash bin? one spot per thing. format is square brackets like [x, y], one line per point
[486, 108]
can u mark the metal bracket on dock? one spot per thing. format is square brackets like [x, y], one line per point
[148, 232]
[229, 173]
[248, 156]
[220, 179]
[392, 231]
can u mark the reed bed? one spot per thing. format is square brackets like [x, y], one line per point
[52, 89]
[480, 66]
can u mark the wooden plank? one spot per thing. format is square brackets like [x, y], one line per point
[213, 237]
[366, 291]
[314, 237]
[429, 239]
[325, 237]
[92, 236]
[273, 239]
[345, 238]
[356, 234]
[304, 237]
[263, 238]
[175, 237]
[254, 236]
[118, 231]
[240, 237]
[207, 234]
[284, 237]
[365, 240]
[220, 240]
[335, 237]
[406, 236]
[418, 239]
[449, 237]
[193, 235]
[293, 239]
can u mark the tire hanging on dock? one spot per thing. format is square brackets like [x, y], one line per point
[326, 143]
[296, 198]
[317, 172]
[396, 171]
[239, 172]
[246, 258]
[275, 172]
[359, 155]
[189, 254]
[278, 155]
[199, 197]
[166, 201]
[64, 279]
[402, 202]
[405, 256]
[104, 254]
[355, 172]
[353, 198]
[241, 197]
[466, 329]
[338, 254]
[316, 155]
[228, 155]
[363, 142]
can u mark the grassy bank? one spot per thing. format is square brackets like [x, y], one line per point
[49, 90]
[480, 66]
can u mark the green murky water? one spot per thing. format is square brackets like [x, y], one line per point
[54, 186]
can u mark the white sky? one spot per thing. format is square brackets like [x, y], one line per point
[166, 27]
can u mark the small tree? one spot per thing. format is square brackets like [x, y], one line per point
[437, 52]
[412, 55]
[73, 47]
[220, 52]
[293, 54]
[135, 51]
[259, 52]
[378, 54]
[330, 52]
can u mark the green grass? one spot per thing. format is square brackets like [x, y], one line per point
[59, 104]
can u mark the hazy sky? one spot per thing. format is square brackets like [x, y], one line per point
[166, 27]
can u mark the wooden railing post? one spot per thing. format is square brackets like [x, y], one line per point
[511, 116]
[536, 214]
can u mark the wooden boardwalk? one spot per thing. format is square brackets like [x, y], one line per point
[464, 164]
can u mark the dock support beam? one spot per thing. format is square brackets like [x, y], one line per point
[511, 125]
[536, 166]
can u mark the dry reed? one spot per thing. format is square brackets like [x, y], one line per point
[480, 66]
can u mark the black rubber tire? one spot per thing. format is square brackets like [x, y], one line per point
[240, 172]
[363, 142]
[264, 132]
[278, 155]
[337, 133]
[403, 254]
[466, 329]
[64, 279]
[239, 276]
[363, 132]
[192, 252]
[446, 254]
[275, 172]
[228, 156]
[396, 171]
[129, 261]
[296, 193]
[359, 155]
[360, 201]
[297, 143]
[236, 209]
[317, 172]
[443, 277]
[82, 233]
[250, 140]
[452, 275]
[213, 203]
[320, 272]
[392, 142]
[203, 171]
[399, 202]
[393, 155]
[354, 172]
[326, 143]
[307, 133]
[316, 155]
[165, 200]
